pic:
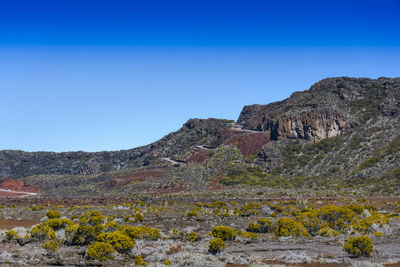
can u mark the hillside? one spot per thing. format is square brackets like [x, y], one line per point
[341, 135]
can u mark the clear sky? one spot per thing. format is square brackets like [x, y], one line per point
[110, 75]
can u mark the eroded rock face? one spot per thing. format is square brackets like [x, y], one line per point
[330, 108]
[308, 125]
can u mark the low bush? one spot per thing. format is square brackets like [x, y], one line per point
[263, 225]
[51, 246]
[11, 235]
[327, 232]
[359, 246]
[42, 231]
[121, 242]
[193, 236]
[290, 227]
[224, 232]
[100, 251]
[139, 261]
[52, 214]
[216, 245]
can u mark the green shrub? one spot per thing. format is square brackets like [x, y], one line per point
[11, 235]
[100, 251]
[249, 235]
[139, 261]
[52, 214]
[310, 221]
[224, 232]
[149, 233]
[82, 234]
[133, 232]
[51, 246]
[216, 245]
[121, 242]
[289, 227]
[359, 246]
[338, 218]
[263, 225]
[58, 223]
[193, 236]
[138, 217]
[327, 232]
[92, 218]
[192, 214]
[42, 231]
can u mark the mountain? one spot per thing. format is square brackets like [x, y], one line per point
[342, 135]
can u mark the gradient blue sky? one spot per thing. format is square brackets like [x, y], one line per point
[109, 75]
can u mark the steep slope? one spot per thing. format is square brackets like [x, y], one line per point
[341, 132]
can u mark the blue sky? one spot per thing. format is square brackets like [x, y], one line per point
[109, 75]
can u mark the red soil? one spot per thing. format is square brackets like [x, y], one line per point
[16, 185]
[199, 156]
[249, 143]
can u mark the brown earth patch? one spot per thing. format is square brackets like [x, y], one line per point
[9, 224]
[216, 184]
[249, 143]
[126, 178]
[199, 156]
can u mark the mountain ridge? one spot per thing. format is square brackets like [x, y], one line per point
[296, 137]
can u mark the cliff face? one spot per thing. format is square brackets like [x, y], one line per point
[342, 129]
[330, 108]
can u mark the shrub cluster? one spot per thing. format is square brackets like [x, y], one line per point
[359, 246]
[263, 225]
[216, 245]
[224, 232]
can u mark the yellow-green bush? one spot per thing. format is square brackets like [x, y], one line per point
[100, 251]
[359, 246]
[121, 242]
[216, 245]
[249, 235]
[339, 218]
[327, 232]
[57, 223]
[263, 225]
[193, 214]
[51, 246]
[42, 231]
[92, 218]
[11, 235]
[290, 227]
[139, 261]
[133, 232]
[150, 233]
[138, 217]
[111, 226]
[224, 232]
[137, 232]
[52, 214]
[310, 221]
[82, 234]
[365, 225]
[193, 236]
